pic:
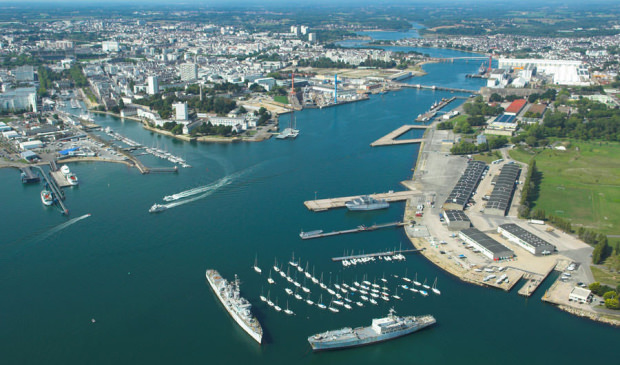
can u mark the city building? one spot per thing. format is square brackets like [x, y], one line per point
[188, 71]
[24, 73]
[456, 220]
[530, 242]
[312, 37]
[515, 107]
[563, 72]
[110, 46]
[485, 244]
[23, 98]
[580, 295]
[153, 85]
[30, 145]
[180, 111]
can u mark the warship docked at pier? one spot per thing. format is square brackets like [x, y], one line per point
[366, 202]
[238, 307]
[382, 329]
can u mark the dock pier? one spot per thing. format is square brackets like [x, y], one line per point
[390, 138]
[28, 176]
[56, 191]
[358, 229]
[331, 203]
[433, 87]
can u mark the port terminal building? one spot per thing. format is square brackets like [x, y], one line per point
[456, 220]
[499, 202]
[580, 295]
[485, 244]
[529, 241]
[460, 195]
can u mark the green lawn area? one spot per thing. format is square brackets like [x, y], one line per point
[581, 185]
[280, 99]
[520, 154]
[486, 158]
[605, 277]
[459, 118]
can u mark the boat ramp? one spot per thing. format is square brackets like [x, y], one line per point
[391, 138]
[331, 203]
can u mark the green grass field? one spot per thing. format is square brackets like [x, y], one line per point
[582, 185]
[605, 277]
[280, 99]
[520, 154]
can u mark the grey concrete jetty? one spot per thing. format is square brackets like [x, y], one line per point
[390, 138]
[331, 203]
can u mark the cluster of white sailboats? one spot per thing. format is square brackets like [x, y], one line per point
[366, 291]
[366, 259]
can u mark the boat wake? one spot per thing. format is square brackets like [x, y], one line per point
[60, 227]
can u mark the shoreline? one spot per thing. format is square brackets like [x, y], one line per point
[459, 271]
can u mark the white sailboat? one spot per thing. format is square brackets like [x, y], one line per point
[262, 297]
[309, 301]
[332, 308]
[275, 265]
[293, 262]
[415, 281]
[320, 303]
[269, 302]
[395, 295]
[424, 285]
[405, 278]
[296, 295]
[434, 288]
[256, 268]
[270, 279]
[287, 310]
[277, 307]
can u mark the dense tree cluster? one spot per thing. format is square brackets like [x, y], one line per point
[163, 105]
[531, 188]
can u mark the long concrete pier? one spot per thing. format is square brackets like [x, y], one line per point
[358, 229]
[434, 87]
[390, 138]
[331, 203]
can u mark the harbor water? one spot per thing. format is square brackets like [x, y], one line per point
[123, 286]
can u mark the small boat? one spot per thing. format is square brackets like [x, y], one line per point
[320, 303]
[306, 290]
[288, 311]
[347, 306]
[384, 279]
[270, 279]
[385, 297]
[338, 302]
[395, 296]
[309, 301]
[46, 197]
[373, 301]
[415, 281]
[65, 170]
[332, 308]
[405, 278]
[277, 307]
[297, 296]
[414, 290]
[293, 262]
[359, 304]
[331, 291]
[424, 292]
[288, 291]
[256, 268]
[425, 286]
[353, 289]
[72, 179]
[275, 265]
[364, 298]
[156, 208]
[434, 288]
[262, 297]
[269, 302]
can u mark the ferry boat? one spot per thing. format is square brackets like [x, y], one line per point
[382, 329]
[156, 208]
[365, 202]
[47, 197]
[238, 307]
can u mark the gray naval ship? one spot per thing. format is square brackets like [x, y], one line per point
[237, 306]
[382, 329]
[366, 202]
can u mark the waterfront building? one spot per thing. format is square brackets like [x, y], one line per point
[563, 72]
[30, 145]
[23, 98]
[459, 197]
[485, 244]
[153, 85]
[456, 220]
[266, 82]
[580, 295]
[499, 202]
[188, 71]
[529, 241]
[180, 111]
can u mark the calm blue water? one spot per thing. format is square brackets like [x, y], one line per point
[141, 276]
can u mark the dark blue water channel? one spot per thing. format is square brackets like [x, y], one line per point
[141, 275]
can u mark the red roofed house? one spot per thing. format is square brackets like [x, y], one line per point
[515, 107]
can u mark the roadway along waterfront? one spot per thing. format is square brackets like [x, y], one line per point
[141, 275]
